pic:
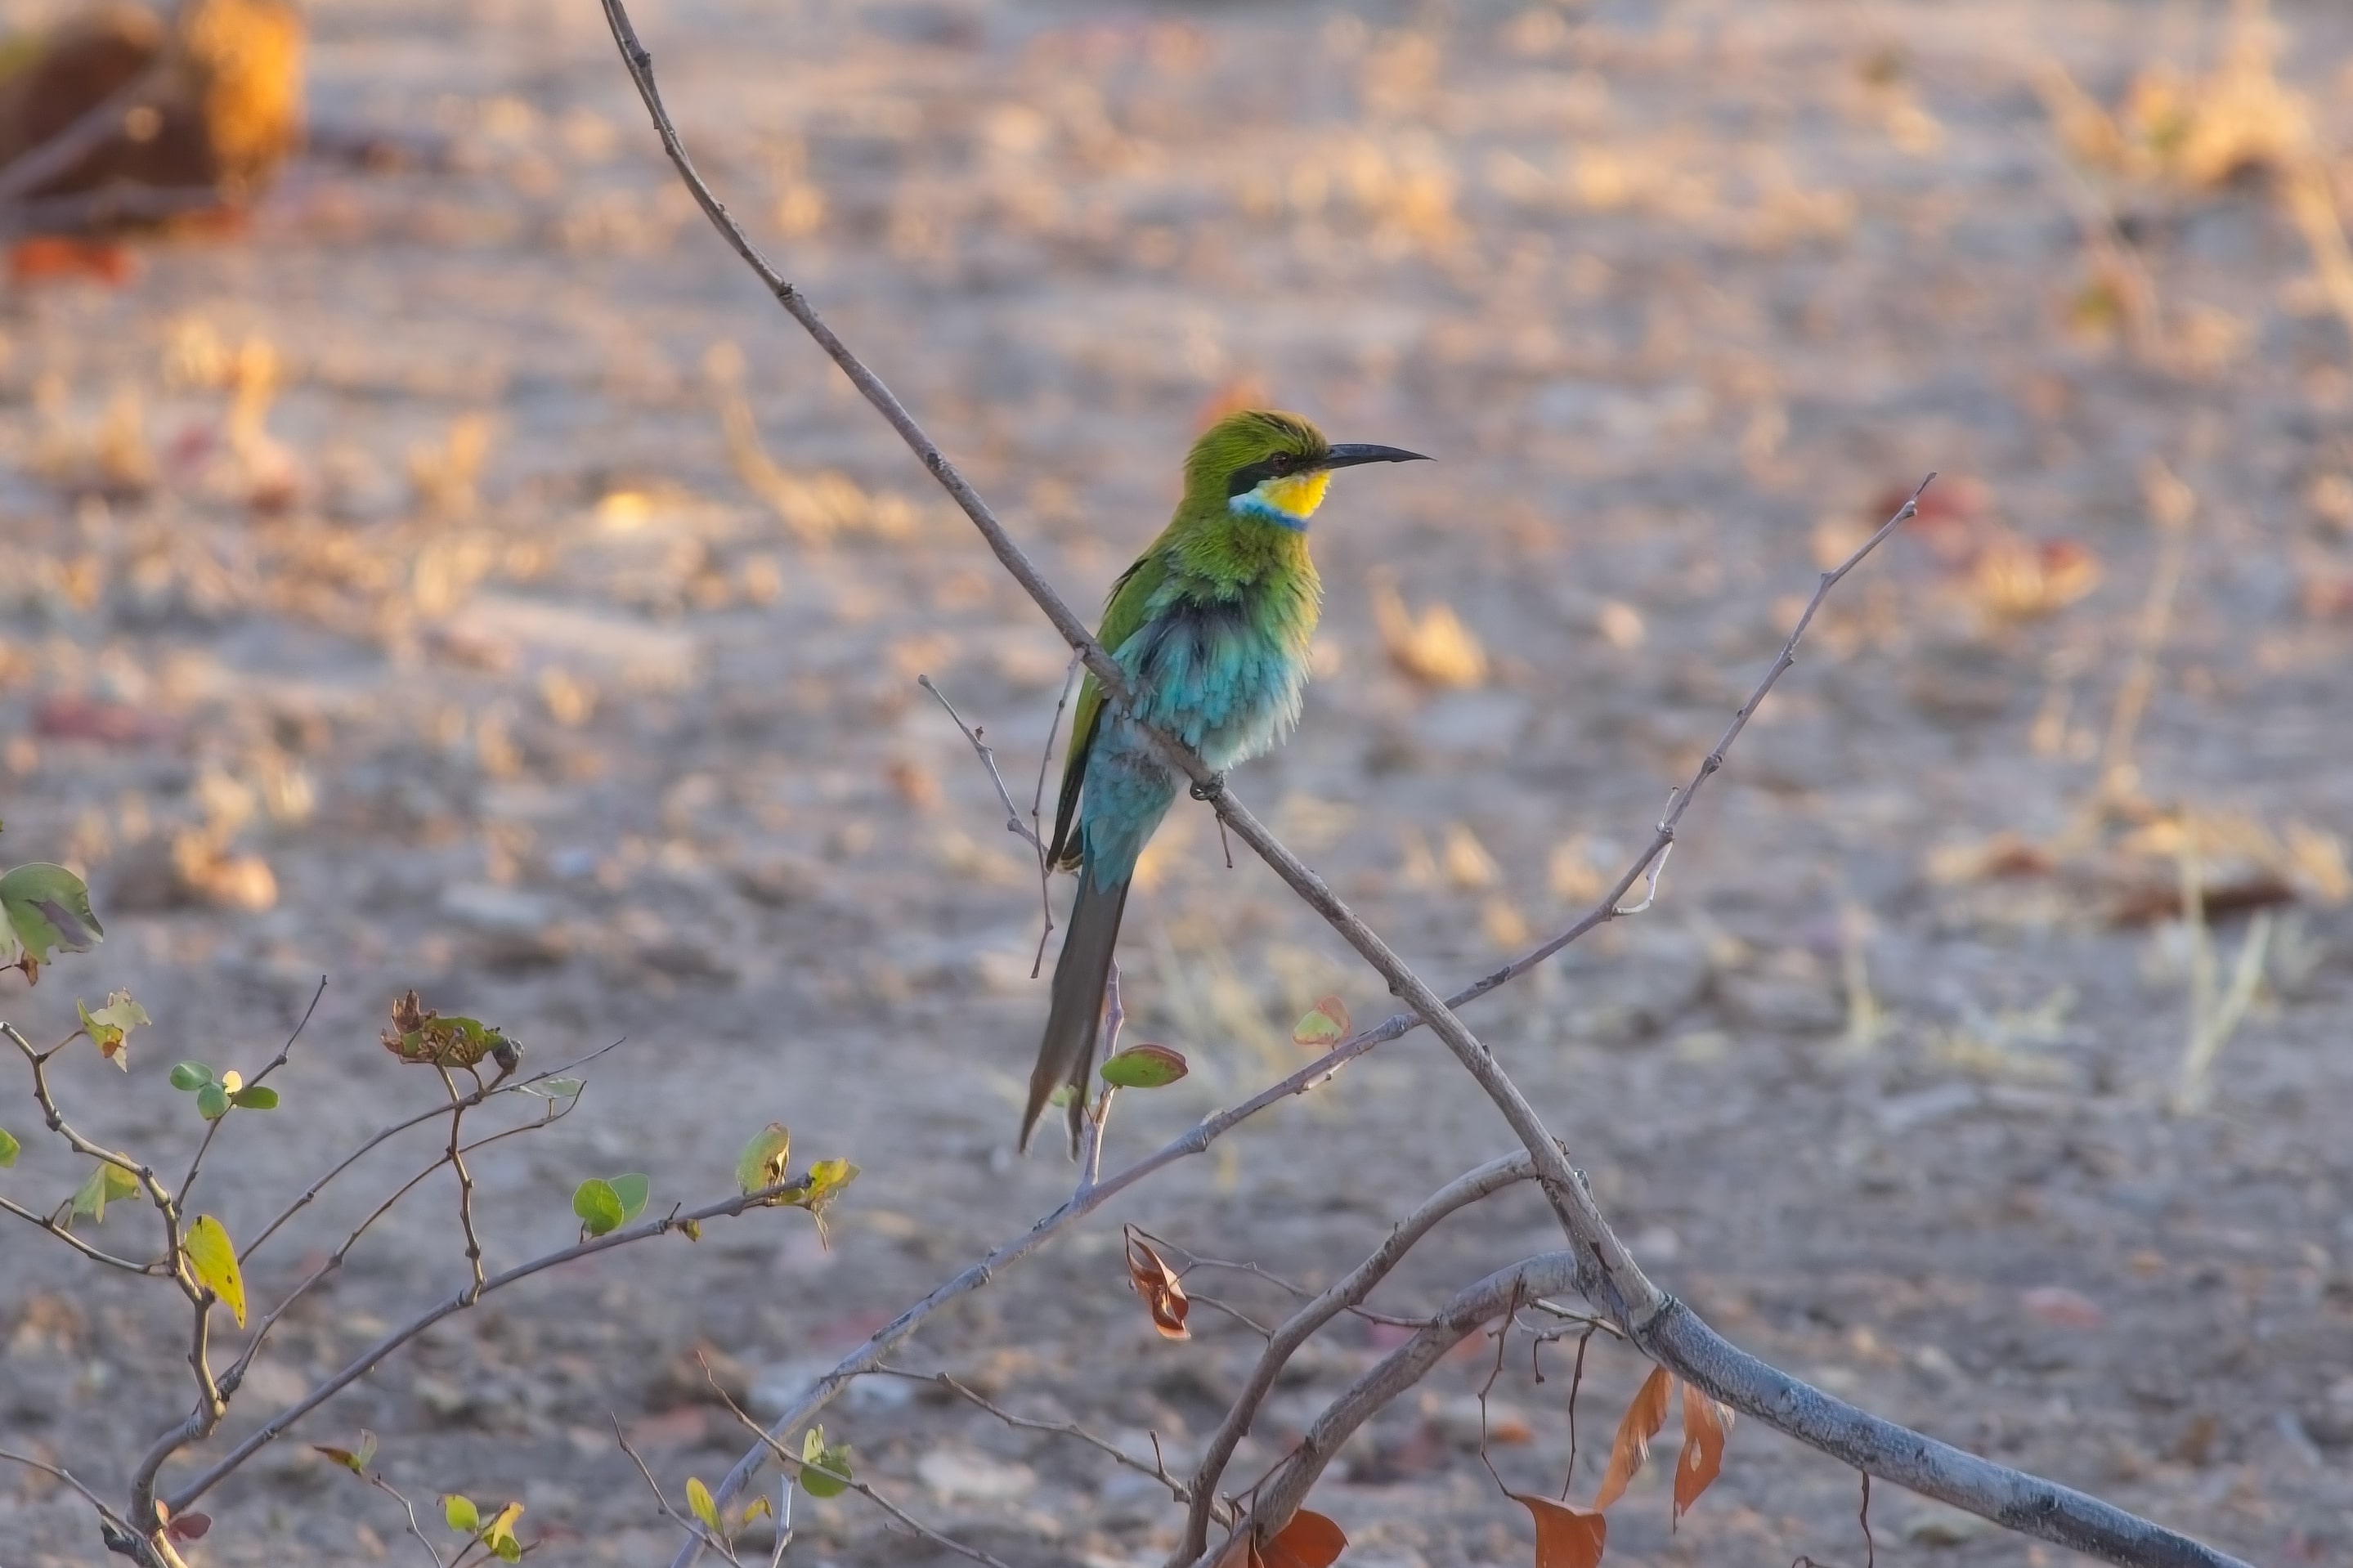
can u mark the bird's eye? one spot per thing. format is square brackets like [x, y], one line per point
[1283, 462]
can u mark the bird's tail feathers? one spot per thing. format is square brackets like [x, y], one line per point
[1067, 1054]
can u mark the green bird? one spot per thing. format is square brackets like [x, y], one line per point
[1211, 626]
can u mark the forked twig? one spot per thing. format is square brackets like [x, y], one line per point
[1158, 1469]
[1340, 1296]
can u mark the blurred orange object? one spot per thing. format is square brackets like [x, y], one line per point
[210, 104]
[45, 257]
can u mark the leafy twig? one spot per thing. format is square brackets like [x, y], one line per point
[277, 1426]
[189, 1182]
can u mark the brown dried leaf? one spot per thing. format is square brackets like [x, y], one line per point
[1640, 1423]
[1568, 1536]
[1156, 1282]
[1702, 1459]
[1309, 1541]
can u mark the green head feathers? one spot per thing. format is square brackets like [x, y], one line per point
[1272, 465]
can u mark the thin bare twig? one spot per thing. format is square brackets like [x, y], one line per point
[1502, 1332]
[797, 1466]
[1027, 832]
[1259, 1272]
[382, 1135]
[1402, 1368]
[49, 1223]
[409, 1507]
[456, 1161]
[1343, 1293]
[693, 1527]
[235, 1376]
[1158, 1469]
[114, 1529]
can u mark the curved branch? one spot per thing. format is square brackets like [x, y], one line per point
[1599, 1268]
[1343, 1293]
[1679, 1340]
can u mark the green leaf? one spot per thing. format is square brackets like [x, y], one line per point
[458, 1512]
[507, 1548]
[833, 1456]
[631, 1190]
[556, 1088]
[108, 1184]
[698, 1500]
[763, 1162]
[190, 1076]
[1144, 1067]
[110, 1027]
[256, 1097]
[1324, 1026]
[214, 1259]
[8, 1147]
[598, 1206]
[212, 1102]
[45, 907]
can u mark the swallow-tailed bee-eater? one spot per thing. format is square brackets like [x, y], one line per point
[1210, 627]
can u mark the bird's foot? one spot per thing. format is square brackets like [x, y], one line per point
[1211, 790]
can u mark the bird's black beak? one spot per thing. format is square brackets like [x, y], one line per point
[1348, 454]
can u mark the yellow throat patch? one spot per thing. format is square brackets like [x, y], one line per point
[1297, 494]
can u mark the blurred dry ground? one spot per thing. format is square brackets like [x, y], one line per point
[466, 579]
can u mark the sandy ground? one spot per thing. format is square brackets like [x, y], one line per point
[385, 597]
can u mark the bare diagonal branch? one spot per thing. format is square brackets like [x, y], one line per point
[1597, 1266]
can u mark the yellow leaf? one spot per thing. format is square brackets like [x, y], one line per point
[502, 1526]
[699, 1500]
[214, 1259]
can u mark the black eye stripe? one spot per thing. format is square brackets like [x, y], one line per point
[1251, 477]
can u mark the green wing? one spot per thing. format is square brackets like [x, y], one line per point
[1123, 614]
